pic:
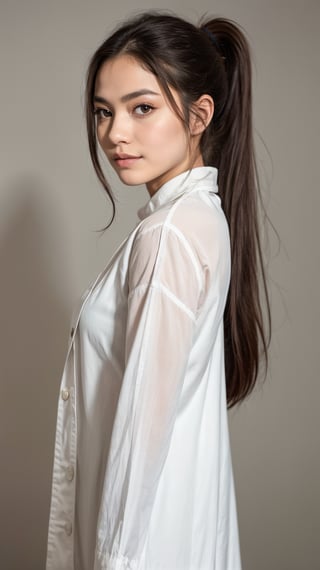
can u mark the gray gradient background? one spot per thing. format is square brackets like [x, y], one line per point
[50, 205]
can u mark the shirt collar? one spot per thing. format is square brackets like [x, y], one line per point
[204, 177]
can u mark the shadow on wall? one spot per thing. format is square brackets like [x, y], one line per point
[33, 340]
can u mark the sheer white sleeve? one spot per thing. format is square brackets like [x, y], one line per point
[165, 285]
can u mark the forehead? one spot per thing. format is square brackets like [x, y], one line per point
[122, 74]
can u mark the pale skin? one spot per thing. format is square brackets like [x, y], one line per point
[140, 134]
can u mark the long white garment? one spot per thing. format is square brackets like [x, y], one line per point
[142, 476]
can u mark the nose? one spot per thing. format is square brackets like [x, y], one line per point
[119, 129]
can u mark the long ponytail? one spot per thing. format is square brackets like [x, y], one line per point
[233, 153]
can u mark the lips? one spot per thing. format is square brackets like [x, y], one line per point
[125, 160]
[123, 156]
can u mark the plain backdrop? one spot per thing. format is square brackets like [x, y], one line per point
[50, 208]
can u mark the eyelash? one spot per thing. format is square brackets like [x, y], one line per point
[146, 105]
[98, 112]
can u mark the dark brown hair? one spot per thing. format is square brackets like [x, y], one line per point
[213, 59]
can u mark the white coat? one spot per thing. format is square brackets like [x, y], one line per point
[142, 476]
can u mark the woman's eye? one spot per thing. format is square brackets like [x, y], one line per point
[143, 109]
[102, 113]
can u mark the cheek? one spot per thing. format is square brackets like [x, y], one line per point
[169, 136]
[101, 134]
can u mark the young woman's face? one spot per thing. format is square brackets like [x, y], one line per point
[140, 134]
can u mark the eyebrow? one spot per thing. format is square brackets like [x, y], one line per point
[127, 97]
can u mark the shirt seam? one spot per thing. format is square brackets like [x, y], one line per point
[167, 292]
[166, 226]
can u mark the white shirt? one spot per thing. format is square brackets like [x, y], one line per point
[142, 476]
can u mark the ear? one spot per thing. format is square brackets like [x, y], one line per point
[201, 114]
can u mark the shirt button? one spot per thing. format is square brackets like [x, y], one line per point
[72, 332]
[65, 394]
[70, 473]
[68, 528]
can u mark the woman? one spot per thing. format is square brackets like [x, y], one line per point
[169, 334]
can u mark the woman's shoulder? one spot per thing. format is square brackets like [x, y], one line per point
[193, 215]
[194, 220]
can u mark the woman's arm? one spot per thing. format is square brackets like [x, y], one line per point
[165, 283]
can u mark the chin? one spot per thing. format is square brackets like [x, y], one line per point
[131, 178]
